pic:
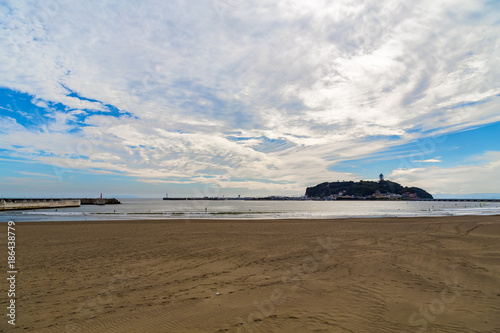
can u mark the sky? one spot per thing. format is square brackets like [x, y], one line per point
[228, 97]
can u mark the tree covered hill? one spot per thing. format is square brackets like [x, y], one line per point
[363, 189]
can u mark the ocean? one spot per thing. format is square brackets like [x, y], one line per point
[249, 209]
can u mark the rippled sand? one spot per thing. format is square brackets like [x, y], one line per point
[355, 275]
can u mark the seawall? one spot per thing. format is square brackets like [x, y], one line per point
[103, 201]
[35, 204]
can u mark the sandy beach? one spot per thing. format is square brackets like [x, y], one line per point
[438, 274]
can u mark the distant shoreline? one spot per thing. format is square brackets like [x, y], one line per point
[228, 219]
[356, 219]
[322, 199]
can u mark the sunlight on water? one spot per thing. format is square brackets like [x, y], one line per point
[239, 209]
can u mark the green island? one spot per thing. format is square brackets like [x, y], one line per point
[369, 190]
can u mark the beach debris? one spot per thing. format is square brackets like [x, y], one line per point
[217, 294]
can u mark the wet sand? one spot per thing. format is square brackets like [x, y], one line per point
[438, 274]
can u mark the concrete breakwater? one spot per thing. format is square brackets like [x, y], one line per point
[17, 204]
[99, 201]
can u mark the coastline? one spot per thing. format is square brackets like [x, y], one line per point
[142, 209]
[219, 219]
[282, 275]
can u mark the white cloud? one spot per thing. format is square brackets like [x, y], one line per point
[319, 77]
[430, 160]
[483, 177]
[36, 174]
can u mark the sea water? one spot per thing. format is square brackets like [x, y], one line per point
[251, 209]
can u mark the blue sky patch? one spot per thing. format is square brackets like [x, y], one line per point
[460, 148]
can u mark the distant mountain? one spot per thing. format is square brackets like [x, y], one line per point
[364, 189]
